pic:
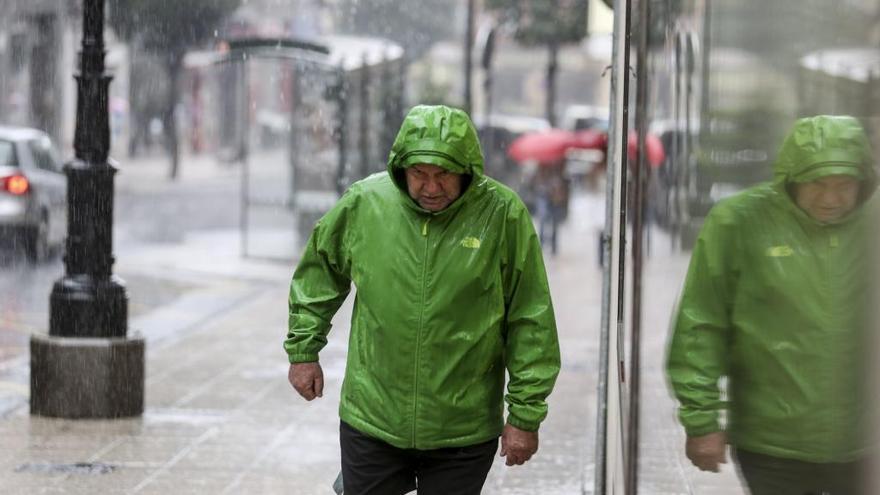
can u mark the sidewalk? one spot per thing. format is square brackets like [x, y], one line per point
[150, 171]
[221, 418]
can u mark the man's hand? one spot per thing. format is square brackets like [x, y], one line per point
[307, 379]
[518, 445]
[707, 451]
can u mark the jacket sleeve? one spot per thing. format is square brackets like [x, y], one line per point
[531, 345]
[699, 348]
[319, 286]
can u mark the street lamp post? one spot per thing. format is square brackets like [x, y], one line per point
[87, 367]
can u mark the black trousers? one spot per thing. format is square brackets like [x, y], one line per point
[373, 467]
[768, 475]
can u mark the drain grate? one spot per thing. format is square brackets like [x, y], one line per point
[92, 468]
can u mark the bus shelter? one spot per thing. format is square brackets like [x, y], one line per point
[340, 101]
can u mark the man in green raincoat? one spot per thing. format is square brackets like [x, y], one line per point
[451, 292]
[775, 300]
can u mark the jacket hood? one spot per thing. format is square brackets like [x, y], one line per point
[825, 145]
[438, 135]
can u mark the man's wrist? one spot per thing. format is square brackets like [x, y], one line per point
[531, 426]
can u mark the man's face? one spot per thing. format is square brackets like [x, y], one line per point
[432, 187]
[828, 199]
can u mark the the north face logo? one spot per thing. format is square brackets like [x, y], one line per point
[471, 242]
[780, 251]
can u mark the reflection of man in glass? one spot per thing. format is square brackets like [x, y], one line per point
[775, 302]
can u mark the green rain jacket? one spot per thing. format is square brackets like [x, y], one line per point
[775, 301]
[445, 301]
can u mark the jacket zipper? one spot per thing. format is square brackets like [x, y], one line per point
[419, 333]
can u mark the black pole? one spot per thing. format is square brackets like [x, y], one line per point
[488, 49]
[364, 119]
[552, 69]
[341, 91]
[89, 301]
[639, 179]
[87, 367]
[244, 152]
[400, 101]
[705, 69]
[621, 256]
[468, 54]
[487, 76]
[293, 144]
[387, 103]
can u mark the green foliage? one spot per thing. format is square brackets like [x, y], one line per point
[164, 26]
[541, 22]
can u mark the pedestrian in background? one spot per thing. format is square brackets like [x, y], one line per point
[451, 292]
[776, 301]
[552, 191]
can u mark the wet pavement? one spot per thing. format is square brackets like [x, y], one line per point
[221, 418]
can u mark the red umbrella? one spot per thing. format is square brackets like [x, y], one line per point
[543, 147]
[653, 146]
[591, 139]
[548, 147]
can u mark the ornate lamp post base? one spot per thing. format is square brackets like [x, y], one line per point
[77, 377]
[87, 367]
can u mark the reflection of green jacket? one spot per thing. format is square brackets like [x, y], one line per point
[775, 301]
[445, 301]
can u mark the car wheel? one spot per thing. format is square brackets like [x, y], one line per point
[38, 242]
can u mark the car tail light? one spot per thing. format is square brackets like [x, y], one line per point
[16, 184]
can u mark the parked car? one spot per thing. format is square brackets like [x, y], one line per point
[33, 192]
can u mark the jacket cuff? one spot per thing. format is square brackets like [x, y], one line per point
[699, 421]
[523, 425]
[303, 358]
[704, 429]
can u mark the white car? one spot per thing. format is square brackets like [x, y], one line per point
[33, 192]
